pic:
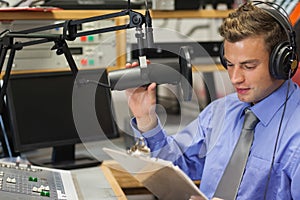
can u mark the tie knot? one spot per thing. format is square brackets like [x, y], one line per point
[250, 120]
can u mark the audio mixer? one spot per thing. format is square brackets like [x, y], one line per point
[24, 181]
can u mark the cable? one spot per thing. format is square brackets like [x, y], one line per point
[6, 30]
[5, 137]
[146, 4]
[33, 3]
[19, 3]
[277, 136]
[128, 4]
[87, 81]
[148, 28]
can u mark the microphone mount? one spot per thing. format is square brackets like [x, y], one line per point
[142, 74]
[8, 40]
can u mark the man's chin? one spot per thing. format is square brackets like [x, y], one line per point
[245, 99]
[248, 100]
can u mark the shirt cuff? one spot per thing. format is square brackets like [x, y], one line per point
[155, 134]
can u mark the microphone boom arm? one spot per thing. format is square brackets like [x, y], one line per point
[70, 33]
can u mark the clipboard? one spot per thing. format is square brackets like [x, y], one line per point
[162, 178]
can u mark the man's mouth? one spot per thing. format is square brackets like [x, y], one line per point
[242, 90]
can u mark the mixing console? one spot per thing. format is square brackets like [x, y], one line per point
[24, 181]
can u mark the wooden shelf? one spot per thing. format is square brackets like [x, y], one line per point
[190, 14]
[79, 14]
[208, 68]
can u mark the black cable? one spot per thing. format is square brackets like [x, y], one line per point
[6, 30]
[33, 3]
[146, 4]
[277, 136]
[87, 81]
[19, 3]
[8, 148]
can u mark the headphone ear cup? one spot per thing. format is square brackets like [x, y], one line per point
[221, 54]
[281, 60]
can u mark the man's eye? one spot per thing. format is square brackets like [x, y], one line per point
[249, 67]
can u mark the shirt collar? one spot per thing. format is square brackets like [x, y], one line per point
[266, 109]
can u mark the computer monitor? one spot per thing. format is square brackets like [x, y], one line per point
[41, 109]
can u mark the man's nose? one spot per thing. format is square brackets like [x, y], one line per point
[236, 75]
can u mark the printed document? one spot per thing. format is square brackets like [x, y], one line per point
[160, 177]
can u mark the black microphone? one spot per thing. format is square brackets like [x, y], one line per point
[133, 77]
[172, 73]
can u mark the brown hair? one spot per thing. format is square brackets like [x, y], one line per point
[248, 21]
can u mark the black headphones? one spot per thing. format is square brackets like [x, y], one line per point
[283, 62]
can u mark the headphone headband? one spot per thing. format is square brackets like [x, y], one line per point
[283, 60]
[281, 16]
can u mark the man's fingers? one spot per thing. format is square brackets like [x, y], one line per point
[130, 65]
[152, 86]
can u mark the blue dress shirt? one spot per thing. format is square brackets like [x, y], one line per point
[203, 148]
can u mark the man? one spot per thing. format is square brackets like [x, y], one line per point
[203, 148]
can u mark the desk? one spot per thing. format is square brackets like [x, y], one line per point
[96, 183]
[108, 181]
[92, 183]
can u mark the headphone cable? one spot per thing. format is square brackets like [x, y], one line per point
[277, 136]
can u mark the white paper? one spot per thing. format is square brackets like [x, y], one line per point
[161, 177]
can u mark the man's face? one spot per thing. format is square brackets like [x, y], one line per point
[248, 69]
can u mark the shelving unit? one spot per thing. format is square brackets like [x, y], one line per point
[79, 14]
[59, 14]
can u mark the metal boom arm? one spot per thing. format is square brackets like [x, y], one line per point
[70, 33]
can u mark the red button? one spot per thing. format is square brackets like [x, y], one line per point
[84, 61]
[83, 38]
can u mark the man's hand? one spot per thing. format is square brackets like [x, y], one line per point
[142, 103]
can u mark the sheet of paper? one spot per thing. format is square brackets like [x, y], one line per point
[161, 177]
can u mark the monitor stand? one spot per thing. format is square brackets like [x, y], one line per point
[63, 157]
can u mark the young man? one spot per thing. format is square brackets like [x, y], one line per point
[203, 148]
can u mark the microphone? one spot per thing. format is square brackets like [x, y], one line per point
[132, 77]
[172, 73]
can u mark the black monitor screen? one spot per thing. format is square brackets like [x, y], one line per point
[41, 110]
